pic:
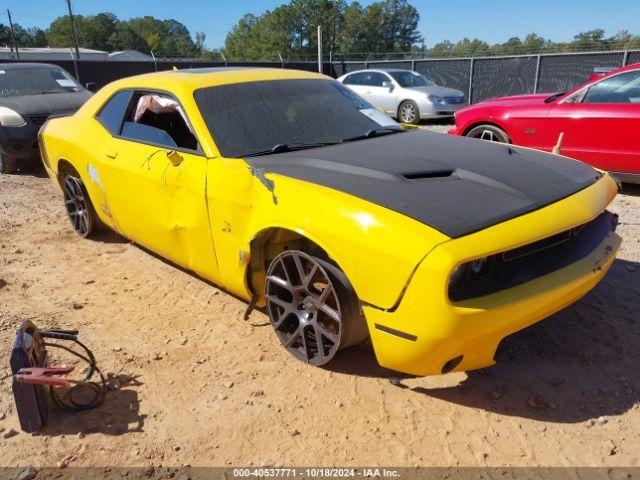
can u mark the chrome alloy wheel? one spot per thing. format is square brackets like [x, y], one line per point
[303, 307]
[489, 136]
[408, 113]
[77, 206]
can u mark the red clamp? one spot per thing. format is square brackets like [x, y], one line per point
[43, 376]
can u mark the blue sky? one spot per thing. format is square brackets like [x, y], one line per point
[493, 21]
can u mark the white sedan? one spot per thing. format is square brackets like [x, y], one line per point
[404, 94]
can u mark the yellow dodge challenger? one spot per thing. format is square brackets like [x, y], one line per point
[289, 190]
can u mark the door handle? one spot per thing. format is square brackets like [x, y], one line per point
[112, 153]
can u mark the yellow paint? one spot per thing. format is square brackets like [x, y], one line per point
[203, 211]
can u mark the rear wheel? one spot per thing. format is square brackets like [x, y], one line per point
[490, 133]
[7, 165]
[408, 112]
[79, 208]
[312, 307]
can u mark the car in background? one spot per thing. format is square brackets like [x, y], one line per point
[597, 123]
[404, 94]
[29, 94]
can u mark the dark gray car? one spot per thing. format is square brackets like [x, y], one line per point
[29, 94]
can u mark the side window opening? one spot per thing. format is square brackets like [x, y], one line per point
[112, 112]
[159, 119]
[622, 88]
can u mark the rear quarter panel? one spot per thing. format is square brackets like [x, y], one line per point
[77, 140]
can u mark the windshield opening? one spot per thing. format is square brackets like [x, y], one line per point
[408, 79]
[34, 81]
[254, 117]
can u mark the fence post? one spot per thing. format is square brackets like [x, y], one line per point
[537, 79]
[413, 65]
[155, 62]
[625, 59]
[75, 65]
[319, 49]
[471, 68]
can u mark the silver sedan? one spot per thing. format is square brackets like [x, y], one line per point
[404, 94]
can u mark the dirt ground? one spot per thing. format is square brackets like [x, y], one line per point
[196, 384]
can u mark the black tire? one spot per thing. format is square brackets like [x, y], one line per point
[80, 211]
[7, 165]
[489, 133]
[408, 112]
[301, 311]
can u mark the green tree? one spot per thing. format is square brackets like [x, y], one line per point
[471, 48]
[441, 49]
[350, 36]
[291, 29]
[60, 33]
[97, 31]
[125, 38]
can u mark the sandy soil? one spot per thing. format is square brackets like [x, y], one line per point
[196, 384]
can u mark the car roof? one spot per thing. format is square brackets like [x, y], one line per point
[633, 66]
[380, 70]
[195, 78]
[25, 65]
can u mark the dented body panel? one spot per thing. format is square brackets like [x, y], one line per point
[224, 218]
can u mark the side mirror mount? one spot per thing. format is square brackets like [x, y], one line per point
[91, 86]
[174, 157]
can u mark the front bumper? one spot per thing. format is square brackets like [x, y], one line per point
[429, 110]
[20, 142]
[426, 332]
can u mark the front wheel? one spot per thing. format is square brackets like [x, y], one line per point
[489, 133]
[312, 307]
[79, 208]
[408, 112]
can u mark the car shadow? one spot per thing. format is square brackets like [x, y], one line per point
[106, 235]
[31, 167]
[118, 414]
[582, 363]
[447, 121]
[631, 189]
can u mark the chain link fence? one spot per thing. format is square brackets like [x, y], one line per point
[479, 78]
[490, 77]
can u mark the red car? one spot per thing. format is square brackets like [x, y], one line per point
[598, 122]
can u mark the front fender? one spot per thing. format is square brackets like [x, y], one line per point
[377, 248]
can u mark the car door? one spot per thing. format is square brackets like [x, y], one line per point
[154, 178]
[600, 123]
[357, 82]
[379, 91]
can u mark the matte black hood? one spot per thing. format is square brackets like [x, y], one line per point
[47, 103]
[455, 185]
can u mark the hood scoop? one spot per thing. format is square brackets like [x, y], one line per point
[429, 174]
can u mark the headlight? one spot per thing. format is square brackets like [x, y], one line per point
[459, 276]
[9, 118]
[476, 268]
[435, 99]
[481, 266]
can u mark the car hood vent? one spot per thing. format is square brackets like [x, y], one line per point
[428, 175]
